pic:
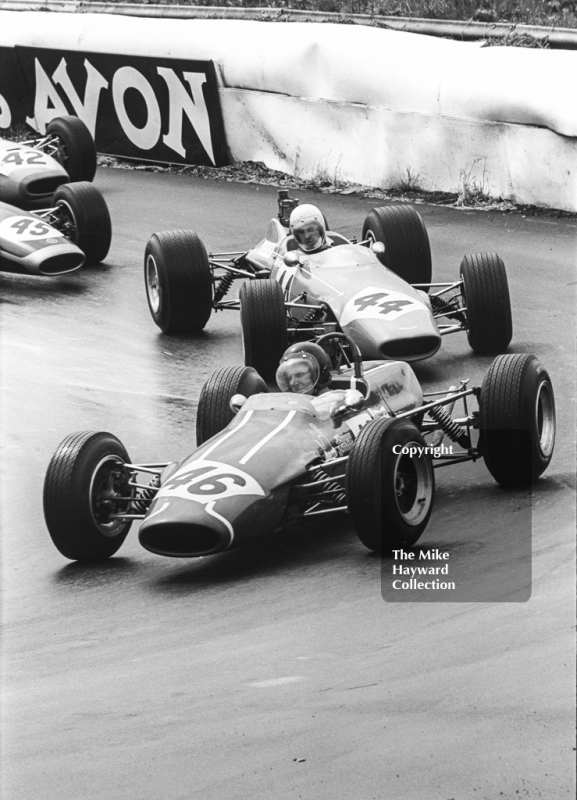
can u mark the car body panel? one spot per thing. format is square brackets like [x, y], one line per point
[236, 486]
[385, 316]
[29, 243]
[28, 177]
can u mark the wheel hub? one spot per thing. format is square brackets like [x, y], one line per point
[413, 488]
[545, 416]
[107, 486]
[152, 284]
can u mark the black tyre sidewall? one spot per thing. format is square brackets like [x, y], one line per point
[370, 484]
[67, 502]
[214, 412]
[508, 424]
[263, 325]
[185, 282]
[486, 297]
[407, 248]
[93, 228]
[80, 147]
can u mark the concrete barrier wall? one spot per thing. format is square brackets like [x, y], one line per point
[358, 104]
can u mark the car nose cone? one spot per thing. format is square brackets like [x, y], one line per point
[173, 528]
[414, 339]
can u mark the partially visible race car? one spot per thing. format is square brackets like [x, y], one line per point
[378, 291]
[75, 230]
[368, 446]
[32, 170]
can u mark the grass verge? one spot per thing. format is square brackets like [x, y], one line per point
[471, 195]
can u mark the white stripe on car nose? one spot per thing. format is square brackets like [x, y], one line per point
[267, 438]
[248, 415]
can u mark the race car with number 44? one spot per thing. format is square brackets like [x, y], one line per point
[369, 446]
[32, 170]
[378, 291]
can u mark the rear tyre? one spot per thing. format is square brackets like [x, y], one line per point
[407, 249]
[84, 219]
[214, 412]
[389, 494]
[83, 479]
[76, 149]
[517, 419]
[178, 281]
[264, 327]
[485, 292]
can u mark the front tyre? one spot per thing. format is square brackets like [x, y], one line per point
[407, 249]
[83, 217]
[85, 485]
[214, 411]
[485, 292]
[517, 419]
[389, 493]
[178, 281]
[76, 150]
[264, 326]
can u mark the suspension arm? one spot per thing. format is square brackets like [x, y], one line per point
[313, 484]
[155, 469]
[428, 426]
[443, 402]
[445, 329]
[307, 306]
[446, 287]
[321, 511]
[448, 461]
[140, 485]
[236, 270]
[296, 329]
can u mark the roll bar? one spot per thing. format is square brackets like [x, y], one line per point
[357, 357]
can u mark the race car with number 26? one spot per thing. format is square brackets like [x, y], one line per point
[368, 446]
[378, 291]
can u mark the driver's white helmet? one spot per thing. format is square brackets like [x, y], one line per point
[307, 225]
[298, 373]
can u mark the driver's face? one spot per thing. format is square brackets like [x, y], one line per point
[309, 235]
[300, 378]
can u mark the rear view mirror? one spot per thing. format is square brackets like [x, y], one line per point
[236, 402]
[352, 401]
[378, 248]
[293, 259]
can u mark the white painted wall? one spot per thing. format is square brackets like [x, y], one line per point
[361, 104]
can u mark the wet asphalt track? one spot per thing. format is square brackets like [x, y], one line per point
[279, 670]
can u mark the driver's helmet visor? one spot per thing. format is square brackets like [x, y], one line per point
[299, 374]
[309, 235]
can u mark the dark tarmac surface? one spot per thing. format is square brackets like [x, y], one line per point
[278, 670]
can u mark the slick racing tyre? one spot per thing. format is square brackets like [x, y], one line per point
[83, 480]
[83, 217]
[485, 293]
[214, 411]
[76, 149]
[389, 494]
[407, 249]
[264, 327]
[517, 419]
[178, 281]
